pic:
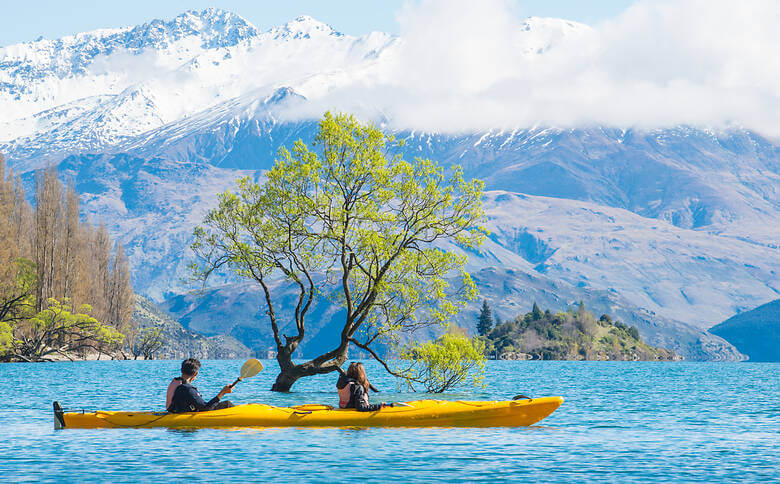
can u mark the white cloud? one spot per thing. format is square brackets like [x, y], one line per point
[459, 65]
[465, 65]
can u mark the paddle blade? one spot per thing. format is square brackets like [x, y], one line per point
[251, 368]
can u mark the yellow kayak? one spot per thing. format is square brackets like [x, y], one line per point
[420, 413]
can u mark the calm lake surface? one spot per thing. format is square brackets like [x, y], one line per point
[621, 422]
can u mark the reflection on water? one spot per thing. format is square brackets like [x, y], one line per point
[621, 421]
[183, 430]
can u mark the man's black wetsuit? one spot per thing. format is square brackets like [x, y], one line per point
[187, 398]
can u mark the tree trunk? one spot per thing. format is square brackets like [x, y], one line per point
[284, 380]
[289, 372]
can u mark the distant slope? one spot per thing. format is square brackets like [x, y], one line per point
[239, 310]
[180, 343]
[574, 334]
[755, 333]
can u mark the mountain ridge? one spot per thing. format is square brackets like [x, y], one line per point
[756, 332]
[675, 223]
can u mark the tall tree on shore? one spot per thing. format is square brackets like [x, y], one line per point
[8, 242]
[485, 321]
[15, 215]
[48, 256]
[48, 217]
[348, 219]
[100, 249]
[17, 272]
[121, 298]
[72, 251]
[22, 218]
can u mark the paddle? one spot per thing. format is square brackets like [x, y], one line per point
[249, 369]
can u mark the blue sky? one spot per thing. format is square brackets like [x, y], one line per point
[26, 20]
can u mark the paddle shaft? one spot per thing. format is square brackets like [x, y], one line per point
[234, 383]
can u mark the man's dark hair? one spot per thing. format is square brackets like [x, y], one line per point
[190, 366]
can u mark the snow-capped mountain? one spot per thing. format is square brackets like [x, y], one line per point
[49, 73]
[91, 91]
[675, 229]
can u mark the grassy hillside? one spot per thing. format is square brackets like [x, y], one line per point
[572, 335]
[755, 333]
[180, 343]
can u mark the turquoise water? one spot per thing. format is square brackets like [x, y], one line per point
[621, 422]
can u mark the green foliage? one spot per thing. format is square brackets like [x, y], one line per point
[574, 334]
[61, 330]
[17, 292]
[148, 342]
[17, 300]
[57, 329]
[50, 252]
[350, 209]
[6, 337]
[442, 364]
[485, 321]
[536, 313]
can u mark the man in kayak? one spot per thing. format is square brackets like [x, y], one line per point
[183, 397]
[353, 389]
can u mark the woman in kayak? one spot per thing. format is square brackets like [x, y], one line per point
[353, 389]
[183, 397]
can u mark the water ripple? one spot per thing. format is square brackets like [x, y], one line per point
[621, 422]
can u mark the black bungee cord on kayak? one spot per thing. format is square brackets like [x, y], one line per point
[59, 418]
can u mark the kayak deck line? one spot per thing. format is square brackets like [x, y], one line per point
[416, 413]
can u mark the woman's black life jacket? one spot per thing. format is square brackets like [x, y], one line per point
[358, 396]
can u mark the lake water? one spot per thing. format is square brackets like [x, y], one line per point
[621, 422]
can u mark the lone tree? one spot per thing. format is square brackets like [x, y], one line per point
[485, 321]
[348, 220]
[147, 343]
[446, 362]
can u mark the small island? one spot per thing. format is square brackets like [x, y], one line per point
[574, 334]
